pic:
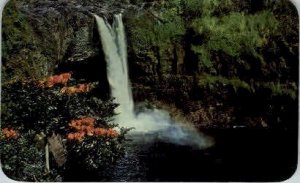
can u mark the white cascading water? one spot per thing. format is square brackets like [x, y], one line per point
[115, 50]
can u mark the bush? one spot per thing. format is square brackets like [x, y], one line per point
[94, 152]
[22, 161]
[38, 108]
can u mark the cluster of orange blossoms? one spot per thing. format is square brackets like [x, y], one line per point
[86, 126]
[82, 123]
[56, 79]
[106, 132]
[9, 133]
[81, 88]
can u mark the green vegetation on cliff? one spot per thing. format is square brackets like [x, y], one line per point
[226, 39]
[22, 58]
[227, 51]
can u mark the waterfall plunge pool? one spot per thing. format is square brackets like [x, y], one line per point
[237, 155]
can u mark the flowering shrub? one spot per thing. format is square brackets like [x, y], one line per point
[95, 152]
[30, 108]
[9, 133]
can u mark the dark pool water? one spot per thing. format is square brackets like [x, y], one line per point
[237, 155]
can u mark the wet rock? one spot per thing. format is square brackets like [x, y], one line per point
[65, 29]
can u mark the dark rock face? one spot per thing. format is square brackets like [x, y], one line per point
[61, 32]
[64, 29]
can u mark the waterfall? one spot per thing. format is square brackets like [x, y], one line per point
[115, 50]
[152, 121]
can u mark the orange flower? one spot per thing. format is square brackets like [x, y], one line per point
[100, 131]
[79, 136]
[89, 121]
[85, 126]
[81, 88]
[82, 123]
[71, 90]
[71, 136]
[65, 78]
[50, 83]
[90, 131]
[9, 133]
[68, 90]
[56, 79]
[112, 133]
[106, 132]
[75, 124]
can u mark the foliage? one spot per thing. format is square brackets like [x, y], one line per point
[209, 80]
[203, 8]
[235, 34]
[95, 152]
[32, 108]
[234, 54]
[22, 161]
[194, 9]
[21, 54]
[250, 42]
[157, 27]
[279, 89]
[16, 31]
